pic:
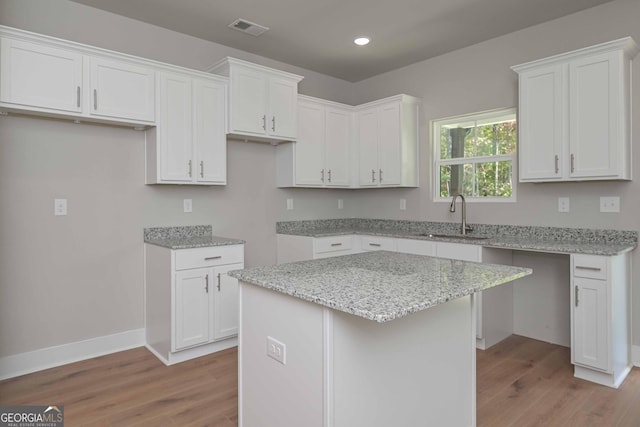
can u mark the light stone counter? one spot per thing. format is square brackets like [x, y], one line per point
[186, 237]
[380, 285]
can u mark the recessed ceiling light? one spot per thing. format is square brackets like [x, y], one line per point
[361, 41]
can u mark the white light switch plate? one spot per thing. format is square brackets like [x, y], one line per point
[340, 204]
[59, 207]
[289, 204]
[609, 204]
[563, 204]
[403, 204]
[188, 205]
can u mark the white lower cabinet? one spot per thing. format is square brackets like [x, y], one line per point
[191, 301]
[600, 335]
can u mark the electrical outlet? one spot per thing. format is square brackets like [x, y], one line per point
[289, 204]
[609, 204]
[277, 350]
[563, 204]
[59, 207]
[403, 204]
[340, 204]
[188, 205]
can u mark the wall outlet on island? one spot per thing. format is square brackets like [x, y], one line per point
[277, 350]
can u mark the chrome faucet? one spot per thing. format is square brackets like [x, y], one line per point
[464, 228]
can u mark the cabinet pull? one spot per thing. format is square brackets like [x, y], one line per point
[572, 163]
[206, 283]
[264, 122]
[377, 245]
[584, 267]
[209, 258]
[336, 244]
[95, 99]
[380, 175]
[322, 175]
[190, 168]
[557, 168]
[78, 96]
[373, 175]
[577, 290]
[201, 168]
[218, 282]
[329, 175]
[273, 124]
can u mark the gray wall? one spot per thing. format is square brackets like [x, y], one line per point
[65, 279]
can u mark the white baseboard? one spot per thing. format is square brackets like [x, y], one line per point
[635, 355]
[25, 363]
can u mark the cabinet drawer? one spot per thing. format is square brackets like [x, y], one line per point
[590, 266]
[208, 257]
[373, 243]
[332, 244]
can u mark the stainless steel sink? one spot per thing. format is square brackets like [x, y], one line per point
[453, 236]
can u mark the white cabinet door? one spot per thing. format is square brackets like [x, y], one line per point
[226, 303]
[368, 147]
[175, 128]
[310, 146]
[337, 144]
[191, 317]
[541, 120]
[122, 90]
[248, 100]
[591, 341]
[595, 107]
[210, 142]
[40, 76]
[389, 145]
[283, 100]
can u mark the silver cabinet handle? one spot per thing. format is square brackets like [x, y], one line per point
[557, 168]
[577, 290]
[380, 175]
[95, 99]
[322, 175]
[273, 123]
[373, 175]
[329, 175]
[264, 122]
[377, 245]
[190, 169]
[206, 283]
[572, 163]
[218, 282]
[201, 168]
[78, 96]
[584, 267]
[336, 244]
[209, 258]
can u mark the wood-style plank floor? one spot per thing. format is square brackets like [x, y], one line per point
[521, 382]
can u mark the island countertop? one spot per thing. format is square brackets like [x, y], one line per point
[380, 285]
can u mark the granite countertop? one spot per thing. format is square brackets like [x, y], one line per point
[542, 239]
[187, 237]
[380, 285]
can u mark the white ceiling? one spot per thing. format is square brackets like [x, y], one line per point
[318, 34]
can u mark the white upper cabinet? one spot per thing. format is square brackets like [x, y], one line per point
[320, 157]
[122, 90]
[262, 101]
[33, 75]
[574, 114]
[388, 142]
[188, 146]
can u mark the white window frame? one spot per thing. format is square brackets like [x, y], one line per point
[437, 162]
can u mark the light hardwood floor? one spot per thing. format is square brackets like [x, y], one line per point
[521, 382]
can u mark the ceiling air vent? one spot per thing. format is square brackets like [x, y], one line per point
[248, 27]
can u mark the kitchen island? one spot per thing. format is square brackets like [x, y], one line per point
[372, 339]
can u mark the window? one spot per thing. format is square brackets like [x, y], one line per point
[474, 156]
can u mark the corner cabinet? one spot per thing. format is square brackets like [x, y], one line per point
[600, 321]
[191, 301]
[262, 101]
[387, 135]
[50, 77]
[574, 115]
[321, 155]
[189, 144]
